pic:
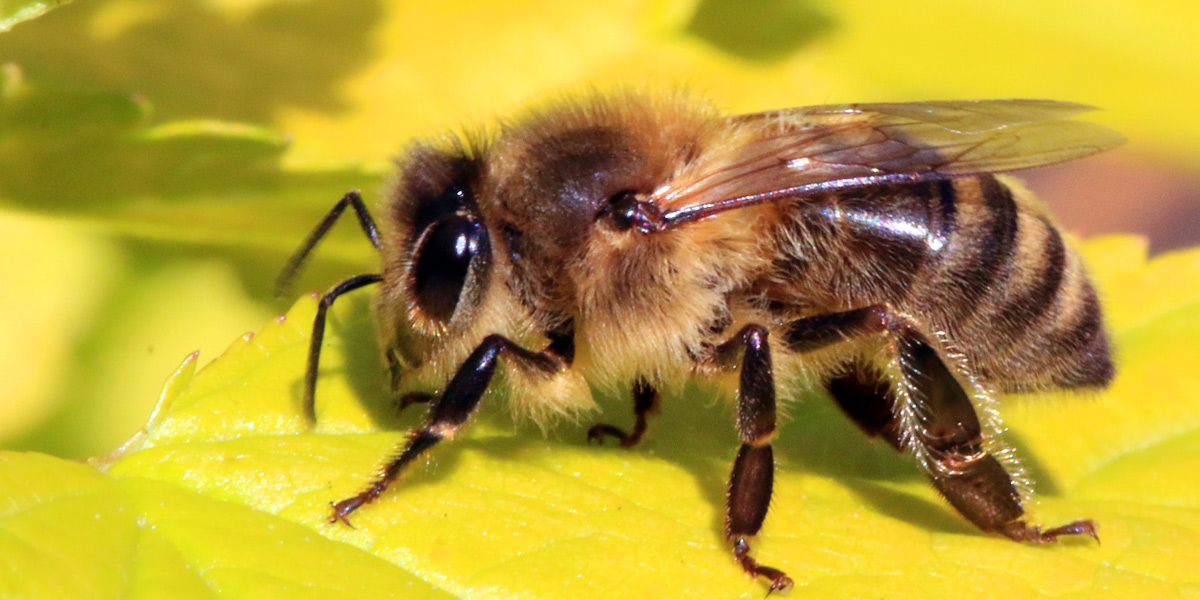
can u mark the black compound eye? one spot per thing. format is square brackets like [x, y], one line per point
[431, 209]
[443, 260]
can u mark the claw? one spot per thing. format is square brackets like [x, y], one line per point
[1080, 527]
[412, 398]
[341, 512]
[598, 431]
[780, 582]
[1023, 532]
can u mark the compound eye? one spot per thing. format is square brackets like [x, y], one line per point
[443, 260]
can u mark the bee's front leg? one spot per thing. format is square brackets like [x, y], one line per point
[318, 335]
[754, 470]
[450, 411]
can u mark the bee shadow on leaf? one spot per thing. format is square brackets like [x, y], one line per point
[352, 327]
[695, 431]
[765, 30]
[816, 439]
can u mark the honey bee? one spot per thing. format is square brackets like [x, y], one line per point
[636, 241]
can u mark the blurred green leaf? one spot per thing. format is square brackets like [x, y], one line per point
[16, 11]
[148, 221]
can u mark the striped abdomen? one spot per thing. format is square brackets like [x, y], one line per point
[976, 257]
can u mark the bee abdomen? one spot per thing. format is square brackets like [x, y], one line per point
[1019, 299]
[975, 257]
[978, 248]
[1081, 335]
[845, 251]
[1033, 287]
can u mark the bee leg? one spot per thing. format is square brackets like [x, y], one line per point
[353, 199]
[450, 411]
[645, 402]
[972, 480]
[318, 335]
[868, 402]
[412, 398]
[753, 474]
[395, 367]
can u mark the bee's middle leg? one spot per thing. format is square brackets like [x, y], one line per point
[753, 474]
[645, 402]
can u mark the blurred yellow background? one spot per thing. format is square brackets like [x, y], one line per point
[160, 159]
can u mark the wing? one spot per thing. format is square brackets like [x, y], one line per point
[810, 150]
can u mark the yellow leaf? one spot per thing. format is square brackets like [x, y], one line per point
[232, 488]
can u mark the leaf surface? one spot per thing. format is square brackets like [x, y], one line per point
[195, 141]
[226, 492]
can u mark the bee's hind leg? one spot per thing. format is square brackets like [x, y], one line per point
[645, 402]
[970, 478]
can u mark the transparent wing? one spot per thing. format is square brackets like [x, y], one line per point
[809, 150]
